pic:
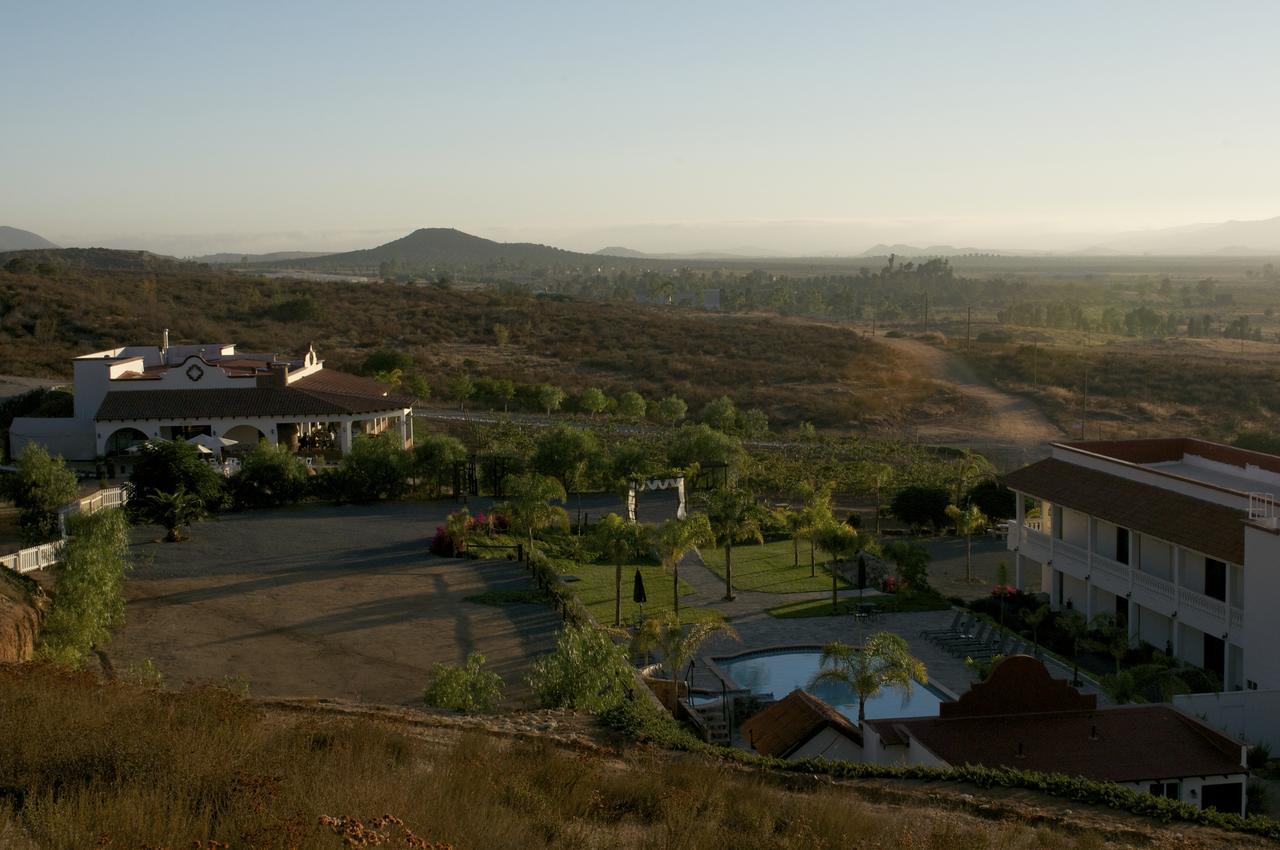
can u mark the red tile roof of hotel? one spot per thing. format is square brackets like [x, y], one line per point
[791, 722]
[1215, 530]
[1167, 449]
[1021, 717]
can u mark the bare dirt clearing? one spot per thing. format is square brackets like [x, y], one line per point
[1009, 429]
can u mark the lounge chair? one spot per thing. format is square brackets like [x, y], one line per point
[955, 624]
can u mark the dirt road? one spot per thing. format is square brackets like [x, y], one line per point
[1010, 430]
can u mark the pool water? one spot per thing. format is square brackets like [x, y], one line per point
[779, 673]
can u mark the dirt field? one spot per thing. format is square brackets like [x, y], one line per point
[323, 602]
[1007, 428]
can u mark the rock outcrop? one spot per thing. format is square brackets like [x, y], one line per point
[20, 614]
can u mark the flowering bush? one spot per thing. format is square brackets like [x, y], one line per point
[442, 544]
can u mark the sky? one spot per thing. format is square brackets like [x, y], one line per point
[790, 127]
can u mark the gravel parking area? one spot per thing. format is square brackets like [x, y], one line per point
[321, 601]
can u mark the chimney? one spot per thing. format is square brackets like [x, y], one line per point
[277, 376]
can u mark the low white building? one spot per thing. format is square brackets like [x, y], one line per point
[127, 395]
[1179, 537]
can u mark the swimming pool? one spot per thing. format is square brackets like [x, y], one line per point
[779, 672]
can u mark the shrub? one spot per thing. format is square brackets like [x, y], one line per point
[993, 499]
[41, 486]
[921, 506]
[586, 672]
[375, 468]
[168, 468]
[269, 476]
[469, 687]
[90, 587]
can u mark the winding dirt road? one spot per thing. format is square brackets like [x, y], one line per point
[1009, 429]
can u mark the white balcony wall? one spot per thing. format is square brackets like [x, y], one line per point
[1192, 571]
[1191, 645]
[1075, 527]
[1104, 539]
[1156, 557]
[1154, 628]
[1235, 581]
[1073, 591]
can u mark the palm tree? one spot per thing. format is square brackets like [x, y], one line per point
[673, 539]
[1034, 619]
[677, 645]
[732, 514]
[880, 476]
[967, 521]
[817, 513]
[175, 511]
[797, 525]
[841, 542]
[912, 562]
[1113, 637]
[884, 659]
[619, 541]
[1074, 627]
[529, 506]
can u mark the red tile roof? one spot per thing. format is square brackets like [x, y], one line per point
[1216, 530]
[1022, 718]
[323, 394]
[1165, 449]
[791, 722]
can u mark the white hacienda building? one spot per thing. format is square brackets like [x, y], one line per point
[1175, 535]
[126, 395]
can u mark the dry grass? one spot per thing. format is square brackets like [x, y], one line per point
[88, 764]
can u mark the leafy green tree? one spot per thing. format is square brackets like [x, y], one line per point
[631, 460]
[456, 526]
[701, 444]
[172, 467]
[550, 397]
[1035, 618]
[587, 671]
[675, 644]
[673, 540]
[461, 388]
[1112, 637]
[90, 579]
[504, 389]
[671, 410]
[269, 476]
[386, 360]
[883, 660]
[529, 506]
[968, 521]
[878, 477]
[391, 378]
[967, 470]
[631, 405]
[416, 386]
[919, 506]
[592, 401]
[735, 518]
[817, 514]
[434, 457]
[467, 688]
[720, 413]
[377, 467]
[41, 485]
[501, 334]
[1075, 629]
[618, 542]
[753, 423]
[912, 563]
[566, 453]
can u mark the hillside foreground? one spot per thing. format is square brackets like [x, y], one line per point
[88, 762]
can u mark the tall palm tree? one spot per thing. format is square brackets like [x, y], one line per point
[817, 514]
[619, 541]
[967, 521]
[797, 525]
[841, 542]
[733, 515]
[673, 539]
[883, 660]
[529, 506]
[675, 644]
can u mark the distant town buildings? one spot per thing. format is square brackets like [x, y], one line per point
[124, 396]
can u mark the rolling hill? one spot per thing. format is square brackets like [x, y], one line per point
[13, 239]
[443, 247]
[1259, 237]
[230, 258]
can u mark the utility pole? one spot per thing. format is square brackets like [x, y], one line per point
[968, 320]
[1084, 411]
[1035, 363]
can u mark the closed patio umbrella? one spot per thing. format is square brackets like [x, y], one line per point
[638, 595]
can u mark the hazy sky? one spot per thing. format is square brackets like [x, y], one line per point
[187, 127]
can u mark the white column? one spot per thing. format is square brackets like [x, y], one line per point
[1019, 528]
[344, 436]
[404, 430]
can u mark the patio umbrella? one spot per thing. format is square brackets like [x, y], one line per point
[212, 443]
[203, 449]
[638, 595]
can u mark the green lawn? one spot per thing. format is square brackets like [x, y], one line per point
[768, 567]
[595, 588]
[848, 604]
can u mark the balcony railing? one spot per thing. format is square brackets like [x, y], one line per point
[1150, 591]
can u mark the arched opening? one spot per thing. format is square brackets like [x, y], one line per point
[246, 437]
[121, 440]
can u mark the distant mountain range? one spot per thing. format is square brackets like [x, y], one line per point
[13, 239]
[628, 253]
[1232, 238]
[443, 247]
[229, 258]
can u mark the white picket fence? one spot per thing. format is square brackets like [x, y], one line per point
[46, 554]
